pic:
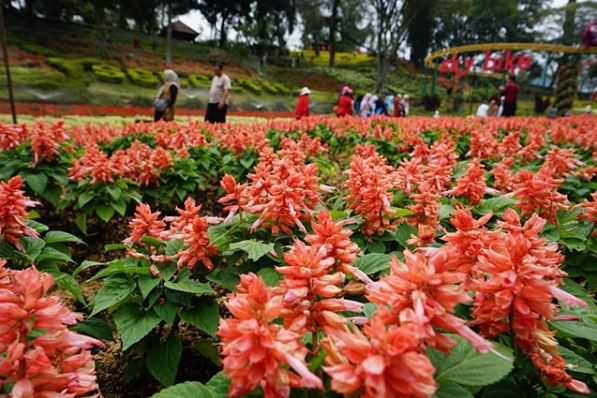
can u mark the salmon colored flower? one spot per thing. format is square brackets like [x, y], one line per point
[561, 161]
[256, 350]
[502, 174]
[13, 212]
[472, 185]
[12, 135]
[538, 193]
[55, 362]
[46, 140]
[426, 291]
[197, 246]
[145, 223]
[590, 208]
[516, 287]
[384, 361]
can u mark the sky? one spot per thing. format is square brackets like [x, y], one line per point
[196, 21]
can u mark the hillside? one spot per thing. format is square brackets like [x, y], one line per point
[70, 63]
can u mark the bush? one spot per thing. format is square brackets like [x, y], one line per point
[143, 78]
[108, 73]
[199, 81]
[269, 87]
[71, 68]
[250, 86]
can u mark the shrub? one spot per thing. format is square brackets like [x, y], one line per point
[269, 87]
[108, 73]
[250, 86]
[198, 81]
[69, 67]
[143, 78]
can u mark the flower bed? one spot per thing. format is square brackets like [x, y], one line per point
[412, 257]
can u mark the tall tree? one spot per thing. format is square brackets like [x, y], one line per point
[421, 17]
[390, 31]
[333, 31]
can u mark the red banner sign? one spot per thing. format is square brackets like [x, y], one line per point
[496, 63]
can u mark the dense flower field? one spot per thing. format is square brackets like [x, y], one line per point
[417, 257]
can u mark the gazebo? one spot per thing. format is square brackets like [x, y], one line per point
[180, 31]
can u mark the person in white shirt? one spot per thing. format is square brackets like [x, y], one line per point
[219, 97]
[482, 110]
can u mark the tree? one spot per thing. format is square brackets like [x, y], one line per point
[421, 17]
[568, 71]
[333, 31]
[390, 32]
[223, 12]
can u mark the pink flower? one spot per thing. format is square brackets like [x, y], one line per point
[13, 211]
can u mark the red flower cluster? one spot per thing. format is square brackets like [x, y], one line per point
[13, 212]
[538, 193]
[188, 226]
[516, 282]
[139, 163]
[39, 356]
[282, 190]
[11, 135]
[257, 351]
[46, 140]
[472, 185]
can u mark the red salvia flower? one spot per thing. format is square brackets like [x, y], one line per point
[145, 223]
[538, 193]
[197, 245]
[258, 352]
[13, 211]
[472, 185]
[57, 363]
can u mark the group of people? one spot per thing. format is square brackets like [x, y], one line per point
[505, 105]
[364, 106]
[218, 99]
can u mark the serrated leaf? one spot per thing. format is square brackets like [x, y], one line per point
[404, 232]
[450, 389]
[577, 329]
[464, 365]
[115, 290]
[227, 277]
[163, 360]
[206, 317]
[37, 182]
[97, 328]
[61, 237]
[166, 311]
[121, 267]
[190, 286]
[190, 389]
[254, 249]
[105, 213]
[373, 263]
[146, 284]
[133, 324]
[270, 276]
[496, 205]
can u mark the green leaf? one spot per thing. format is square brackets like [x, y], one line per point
[369, 309]
[445, 211]
[496, 205]
[125, 266]
[146, 284]
[577, 329]
[114, 192]
[464, 365]
[37, 182]
[39, 227]
[97, 328]
[404, 232]
[450, 389]
[400, 212]
[255, 249]
[190, 286]
[227, 277]
[219, 385]
[174, 246]
[85, 265]
[70, 284]
[114, 246]
[32, 247]
[85, 198]
[270, 276]
[166, 311]
[105, 213]
[49, 254]
[373, 263]
[61, 237]
[190, 389]
[205, 317]
[81, 221]
[119, 206]
[575, 362]
[133, 324]
[208, 350]
[163, 360]
[376, 247]
[115, 290]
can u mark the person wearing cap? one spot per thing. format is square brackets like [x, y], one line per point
[302, 103]
[344, 105]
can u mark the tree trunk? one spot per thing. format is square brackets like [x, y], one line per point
[169, 37]
[333, 28]
[223, 32]
[122, 15]
[29, 11]
[568, 66]
[382, 72]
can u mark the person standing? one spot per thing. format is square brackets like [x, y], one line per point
[165, 101]
[364, 109]
[219, 97]
[302, 103]
[406, 105]
[344, 105]
[397, 106]
[483, 110]
[510, 97]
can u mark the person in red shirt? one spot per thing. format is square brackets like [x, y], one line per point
[302, 103]
[344, 105]
[510, 97]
